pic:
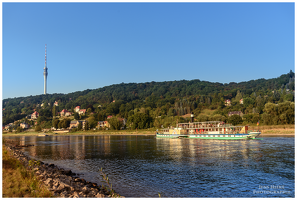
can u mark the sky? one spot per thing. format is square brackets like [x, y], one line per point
[93, 45]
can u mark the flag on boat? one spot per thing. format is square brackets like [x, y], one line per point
[258, 123]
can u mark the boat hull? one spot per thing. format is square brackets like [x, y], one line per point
[238, 136]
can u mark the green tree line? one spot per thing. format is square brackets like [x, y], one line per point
[157, 104]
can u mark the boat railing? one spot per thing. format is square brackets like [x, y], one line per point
[190, 125]
[217, 132]
[249, 131]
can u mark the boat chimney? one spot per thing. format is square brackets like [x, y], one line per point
[192, 117]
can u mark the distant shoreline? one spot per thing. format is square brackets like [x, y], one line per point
[265, 132]
[81, 133]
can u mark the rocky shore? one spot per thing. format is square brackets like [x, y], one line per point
[62, 183]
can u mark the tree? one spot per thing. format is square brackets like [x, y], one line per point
[235, 119]
[289, 97]
[46, 113]
[76, 116]
[89, 110]
[267, 119]
[60, 124]
[56, 123]
[64, 123]
[41, 119]
[54, 111]
[91, 107]
[238, 96]
[115, 123]
[218, 117]
[24, 110]
[271, 109]
[87, 125]
[202, 118]
[79, 127]
[248, 101]
[140, 121]
[92, 122]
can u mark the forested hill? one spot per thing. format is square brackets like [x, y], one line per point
[160, 96]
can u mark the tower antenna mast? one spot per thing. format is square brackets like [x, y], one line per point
[45, 72]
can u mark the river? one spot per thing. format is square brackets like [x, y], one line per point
[146, 166]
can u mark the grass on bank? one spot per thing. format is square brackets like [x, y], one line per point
[275, 129]
[17, 181]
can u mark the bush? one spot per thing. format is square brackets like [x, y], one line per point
[38, 128]
[73, 130]
[218, 117]
[202, 118]
[19, 129]
[235, 119]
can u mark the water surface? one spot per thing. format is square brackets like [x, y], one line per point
[143, 166]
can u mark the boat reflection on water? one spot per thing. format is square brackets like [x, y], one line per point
[215, 150]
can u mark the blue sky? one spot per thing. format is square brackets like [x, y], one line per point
[92, 45]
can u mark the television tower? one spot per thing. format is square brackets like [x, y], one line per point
[45, 72]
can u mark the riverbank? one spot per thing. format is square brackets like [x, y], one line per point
[53, 181]
[110, 132]
[17, 181]
[276, 130]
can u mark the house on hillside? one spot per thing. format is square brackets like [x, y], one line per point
[109, 116]
[241, 101]
[82, 111]
[77, 108]
[6, 127]
[227, 102]
[123, 120]
[100, 124]
[24, 125]
[65, 112]
[106, 124]
[235, 113]
[56, 103]
[34, 115]
[75, 123]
